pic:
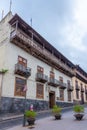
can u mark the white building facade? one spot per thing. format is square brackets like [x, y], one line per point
[34, 63]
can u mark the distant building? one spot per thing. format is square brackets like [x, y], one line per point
[80, 85]
[34, 63]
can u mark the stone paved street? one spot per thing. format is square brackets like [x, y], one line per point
[67, 122]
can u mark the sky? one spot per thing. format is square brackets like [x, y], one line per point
[63, 23]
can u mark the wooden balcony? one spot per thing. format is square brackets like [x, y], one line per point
[53, 82]
[62, 85]
[24, 41]
[69, 88]
[41, 77]
[22, 70]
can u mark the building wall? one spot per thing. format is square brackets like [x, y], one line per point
[32, 62]
[4, 38]
[74, 92]
[9, 54]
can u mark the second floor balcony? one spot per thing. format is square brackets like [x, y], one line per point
[41, 77]
[22, 70]
[53, 82]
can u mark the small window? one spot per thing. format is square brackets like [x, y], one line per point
[52, 75]
[22, 61]
[61, 79]
[40, 90]
[61, 94]
[19, 86]
[69, 95]
[77, 94]
[68, 83]
[40, 69]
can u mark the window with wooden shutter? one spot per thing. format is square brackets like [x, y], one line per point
[39, 90]
[61, 79]
[40, 69]
[77, 94]
[69, 95]
[52, 75]
[68, 83]
[19, 86]
[61, 94]
[22, 61]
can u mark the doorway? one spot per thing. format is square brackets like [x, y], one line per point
[51, 99]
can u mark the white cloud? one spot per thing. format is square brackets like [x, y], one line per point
[74, 31]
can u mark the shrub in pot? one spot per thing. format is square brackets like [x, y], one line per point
[79, 111]
[30, 115]
[56, 111]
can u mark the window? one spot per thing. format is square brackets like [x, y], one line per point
[69, 95]
[77, 94]
[52, 74]
[40, 90]
[86, 96]
[61, 94]
[19, 85]
[76, 84]
[22, 61]
[77, 89]
[40, 69]
[68, 83]
[61, 79]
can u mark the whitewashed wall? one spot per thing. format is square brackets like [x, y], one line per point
[32, 62]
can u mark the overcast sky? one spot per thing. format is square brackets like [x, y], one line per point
[63, 23]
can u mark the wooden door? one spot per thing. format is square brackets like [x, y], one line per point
[51, 99]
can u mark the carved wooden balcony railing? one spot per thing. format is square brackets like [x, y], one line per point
[41, 77]
[24, 41]
[22, 70]
[62, 85]
[53, 82]
[69, 87]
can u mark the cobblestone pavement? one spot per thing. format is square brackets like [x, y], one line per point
[67, 122]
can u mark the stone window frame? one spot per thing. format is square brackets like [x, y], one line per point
[20, 86]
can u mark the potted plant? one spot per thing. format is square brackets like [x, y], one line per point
[30, 115]
[79, 110]
[57, 112]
